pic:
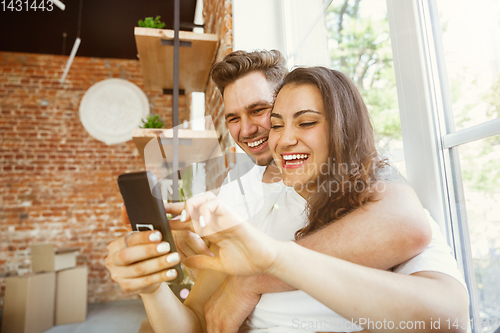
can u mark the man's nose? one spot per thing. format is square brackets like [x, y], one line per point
[248, 128]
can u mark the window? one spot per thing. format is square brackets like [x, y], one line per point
[471, 51]
[473, 70]
[480, 165]
[352, 37]
[447, 68]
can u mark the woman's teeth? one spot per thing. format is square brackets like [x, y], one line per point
[256, 143]
[295, 159]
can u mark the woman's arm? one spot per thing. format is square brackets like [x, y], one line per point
[167, 314]
[373, 297]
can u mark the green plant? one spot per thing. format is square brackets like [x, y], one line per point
[152, 122]
[149, 22]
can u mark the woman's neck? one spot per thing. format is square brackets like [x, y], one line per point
[306, 192]
[272, 174]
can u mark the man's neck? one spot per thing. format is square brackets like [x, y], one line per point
[272, 174]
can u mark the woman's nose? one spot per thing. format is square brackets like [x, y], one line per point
[288, 137]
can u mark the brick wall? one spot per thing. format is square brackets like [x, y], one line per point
[218, 18]
[58, 184]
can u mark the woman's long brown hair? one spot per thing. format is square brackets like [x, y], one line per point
[350, 177]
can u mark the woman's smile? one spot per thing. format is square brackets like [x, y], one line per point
[293, 160]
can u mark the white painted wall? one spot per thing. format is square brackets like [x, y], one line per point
[258, 24]
[294, 27]
[308, 45]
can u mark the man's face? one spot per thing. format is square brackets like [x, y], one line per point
[247, 105]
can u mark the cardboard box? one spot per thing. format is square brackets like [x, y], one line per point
[71, 295]
[29, 303]
[45, 259]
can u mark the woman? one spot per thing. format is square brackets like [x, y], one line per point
[335, 176]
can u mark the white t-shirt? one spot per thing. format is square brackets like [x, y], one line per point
[248, 196]
[278, 211]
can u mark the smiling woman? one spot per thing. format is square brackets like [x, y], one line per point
[297, 136]
[322, 140]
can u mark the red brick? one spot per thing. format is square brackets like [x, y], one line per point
[55, 177]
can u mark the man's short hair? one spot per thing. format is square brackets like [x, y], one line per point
[239, 63]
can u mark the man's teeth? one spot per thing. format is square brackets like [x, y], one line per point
[295, 157]
[256, 143]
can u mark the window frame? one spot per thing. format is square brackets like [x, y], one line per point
[429, 137]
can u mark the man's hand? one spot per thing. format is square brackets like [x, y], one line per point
[141, 264]
[230, 305]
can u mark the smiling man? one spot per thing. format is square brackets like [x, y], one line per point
[249, 101]
[247, 82]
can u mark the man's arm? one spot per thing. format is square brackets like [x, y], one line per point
[381, 234]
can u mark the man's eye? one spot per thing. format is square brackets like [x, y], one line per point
[308, 124]
[260, 110]
[232, 120]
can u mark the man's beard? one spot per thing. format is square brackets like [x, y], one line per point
[266, 162]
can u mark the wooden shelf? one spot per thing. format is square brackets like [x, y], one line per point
[194, 146]
[157, 59]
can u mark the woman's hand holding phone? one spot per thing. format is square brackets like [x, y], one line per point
[143, 262]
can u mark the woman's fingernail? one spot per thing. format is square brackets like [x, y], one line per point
[173, 257]
[155, 236]
[183, 215]
[163, 247]
[202, 221]
[171, 273]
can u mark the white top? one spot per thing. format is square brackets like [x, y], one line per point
[278, 211]
[248, 196]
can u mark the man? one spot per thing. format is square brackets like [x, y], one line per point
[247, 82]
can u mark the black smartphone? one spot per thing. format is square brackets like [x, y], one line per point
[145, 208]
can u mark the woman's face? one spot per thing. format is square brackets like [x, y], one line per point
[299, 136]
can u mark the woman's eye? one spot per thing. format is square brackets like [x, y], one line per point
[308, 124]
[275, 127]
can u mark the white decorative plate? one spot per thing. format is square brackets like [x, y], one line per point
[112, 108]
